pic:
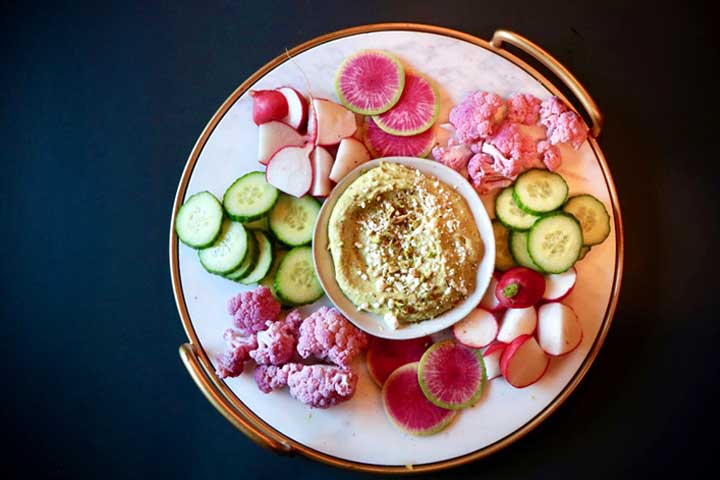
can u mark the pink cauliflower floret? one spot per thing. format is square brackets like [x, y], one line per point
[477, 115]
[293, 320]
[251, 310]
[562, 124]
[485, 173]
[322, 386]
[232, 362]
[273, 377]
[327, 335]
[275, 345]
[517, 147]
[550, 155]
[523, 108]
[455, 155]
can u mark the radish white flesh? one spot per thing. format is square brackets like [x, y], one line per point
[517, 322]
[523, 362]
[350, 154]
[559, 330]
[491, 357]
[489, 300]
[290, 170]
[559, 285]
[334, 122]
[272, 136]
[322, 162]
[297, 107]
[477, 330]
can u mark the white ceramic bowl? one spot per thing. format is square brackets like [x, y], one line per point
[373, 323]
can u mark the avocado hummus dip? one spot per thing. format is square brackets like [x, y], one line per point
[404, 244]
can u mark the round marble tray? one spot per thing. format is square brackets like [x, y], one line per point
[357, 434]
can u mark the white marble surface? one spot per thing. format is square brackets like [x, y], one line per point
[358, 430]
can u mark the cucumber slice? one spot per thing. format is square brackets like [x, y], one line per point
[503, 257]
[295, 280]
[199, 221]
[249, 197]
[540, 191]
[292, 219]
[592, 215]
[248, 263]
[519, 251]
[269, 278]
[264, 259]
[228, 251]
[554, 242]
[259, 224]
[510, 214]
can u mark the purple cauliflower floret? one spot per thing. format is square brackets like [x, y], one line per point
[518, 147]
[485, 173]
[322, 386]
[293, 320]
[275, 345]
[273, 377]
[550, 155]
[327, 335]
[523, 108]
[232, 362]
[477, 115]
[562, 124]
[455, 155]
[251, 310]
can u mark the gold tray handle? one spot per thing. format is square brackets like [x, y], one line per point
[535, 51]
[222, 405]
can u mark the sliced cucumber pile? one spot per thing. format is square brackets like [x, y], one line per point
[264, 260]
[555, 241]
[249, 262]
[228, 251]
[199, 220]
[292, 219]
[510, 214]
[592, 215]
[249, 197]
[519, 250]
[295, 280]
[540, 191]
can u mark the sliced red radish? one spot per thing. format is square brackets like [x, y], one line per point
[523, 362]
[490, 301]
[451, 375]
[382, 144]
[350, 154]
[559, 330]
[322, 163]
[312, 125]
[415, 112]
[290, 170]
[520, 287]
[334, 122]
[559, 285]
[297, 108]
[272, 136]
[491, 357]
[517, 322]
[477, 330]
[268, 105]
[406, 406]
[385, 356]
[369, 82]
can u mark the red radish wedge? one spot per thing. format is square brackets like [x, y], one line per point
[297, 108]
[382, 144]
[290, 170]
[559, 285]
[268, 105]
[477, 330]
[523, 362]
[520, 287]
[406, 406]
[322, 163]
[334, 122]
[489, 301]
[385, 356]
[451, 375]
[415, 112]
[517, 322]
[369, 82]
[491, 357]
[559, 330]
[350, 154]
[272, 136]
[312, 125]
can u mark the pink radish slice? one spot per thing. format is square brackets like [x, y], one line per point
[477, 330]
[517, 322]
[523, 362]
[559, 330]
[369, 82]
[385, 356]
[559, 285]
[406, 405]
[382, 144]
[350, 154]
[322, 162]
[268, 105]
[334, 122]
[415, 112]
[290, 170]
[272, 136]
[297, 108]
[491, 357]
[490, 301]
[312, 125]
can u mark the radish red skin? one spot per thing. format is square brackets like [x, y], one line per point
[385, 356]
[268, 105]
[520, 287]
[508, 354]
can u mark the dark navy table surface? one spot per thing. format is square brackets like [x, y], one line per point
[101, 104]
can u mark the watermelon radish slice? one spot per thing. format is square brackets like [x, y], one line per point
[385, 356]
[383, 144]
[415, 112]
[406, 406]
[451, 375]
[370, 82]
